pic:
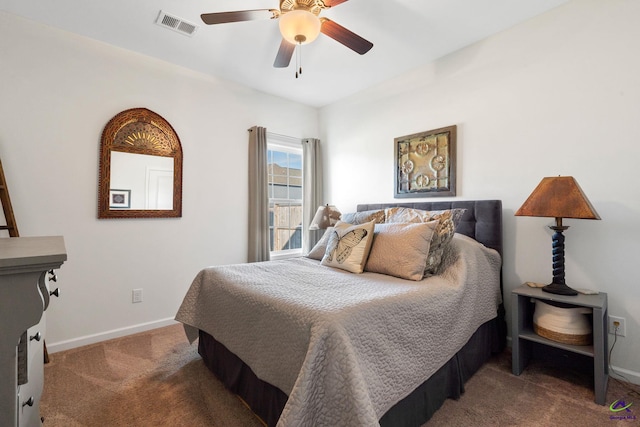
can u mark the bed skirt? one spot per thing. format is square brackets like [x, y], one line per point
[268, 401]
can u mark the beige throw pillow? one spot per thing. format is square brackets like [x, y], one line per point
[348, 246]
[447, 223]
[401, 249]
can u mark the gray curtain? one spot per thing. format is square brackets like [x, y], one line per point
[312, 196]
[258, 196]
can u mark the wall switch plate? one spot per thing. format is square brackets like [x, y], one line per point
[136, 295]
[622, 327]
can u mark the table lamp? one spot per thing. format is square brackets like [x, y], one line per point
[325, 217]
[558, 197]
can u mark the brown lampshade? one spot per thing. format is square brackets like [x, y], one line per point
[558, 197]
[325, 217]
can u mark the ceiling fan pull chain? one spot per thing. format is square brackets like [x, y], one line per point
[300, 59]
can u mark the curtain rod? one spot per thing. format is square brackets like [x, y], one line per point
[285, 137]
[271, 133]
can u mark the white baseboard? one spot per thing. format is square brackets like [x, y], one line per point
[625, 375]
[103, 336]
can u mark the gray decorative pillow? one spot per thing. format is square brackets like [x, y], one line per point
[348, 246]
[376, 216]
[401, 249]
[317, 252]
[450, 255]
[447, 223]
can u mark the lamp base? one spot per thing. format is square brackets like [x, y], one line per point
[559, 289]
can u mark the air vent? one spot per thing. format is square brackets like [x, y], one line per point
[176, 24]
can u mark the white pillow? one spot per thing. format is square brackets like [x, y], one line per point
[348, 246]
[401, 249]
[317, 252]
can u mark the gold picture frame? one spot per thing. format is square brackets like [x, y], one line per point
[425, 164]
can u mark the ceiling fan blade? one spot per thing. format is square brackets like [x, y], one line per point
[238, 16]
[344, 36]
[331, 3]
[285, 52]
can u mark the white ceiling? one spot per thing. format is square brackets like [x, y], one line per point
[405, 34]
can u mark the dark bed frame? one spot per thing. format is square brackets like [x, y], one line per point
[481, 221]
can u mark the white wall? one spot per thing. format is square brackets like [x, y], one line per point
[557, 95]
[58, 92]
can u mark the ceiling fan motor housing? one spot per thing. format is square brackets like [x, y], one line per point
[313, 6]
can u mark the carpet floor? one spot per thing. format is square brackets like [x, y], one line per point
[157, 378]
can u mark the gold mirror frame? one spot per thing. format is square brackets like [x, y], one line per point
[153, 136]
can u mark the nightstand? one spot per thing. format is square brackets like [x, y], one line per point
[523, 336]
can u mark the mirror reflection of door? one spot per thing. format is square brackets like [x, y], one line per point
[149, 178]
[159, 189]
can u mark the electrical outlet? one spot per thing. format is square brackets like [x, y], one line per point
[621, 324]
[136, 295]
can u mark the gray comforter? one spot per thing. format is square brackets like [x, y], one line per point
[344, 347]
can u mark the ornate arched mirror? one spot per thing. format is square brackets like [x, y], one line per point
[140, 167]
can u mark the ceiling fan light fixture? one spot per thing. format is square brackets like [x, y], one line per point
[299, 26]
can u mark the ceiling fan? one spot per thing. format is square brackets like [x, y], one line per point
[299, 24]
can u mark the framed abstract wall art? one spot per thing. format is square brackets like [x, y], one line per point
[425, 164]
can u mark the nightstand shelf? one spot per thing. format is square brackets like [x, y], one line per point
[523, 335]
[529, 335]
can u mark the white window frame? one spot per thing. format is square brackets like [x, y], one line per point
[292, 145]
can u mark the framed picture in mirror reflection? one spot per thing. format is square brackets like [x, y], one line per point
[120, 199]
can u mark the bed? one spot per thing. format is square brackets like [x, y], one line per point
[366, 358]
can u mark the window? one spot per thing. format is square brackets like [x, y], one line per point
[284, 169]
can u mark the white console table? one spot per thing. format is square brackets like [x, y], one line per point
[24, 265]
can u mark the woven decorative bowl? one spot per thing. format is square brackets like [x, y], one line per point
[567, 325]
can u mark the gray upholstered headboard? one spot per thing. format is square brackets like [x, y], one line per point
[482, 220]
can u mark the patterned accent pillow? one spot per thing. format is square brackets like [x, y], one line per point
[447, 222]
[348, 246]
[377, 216]
[450, 255]
[317, 252]
[401, 249]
